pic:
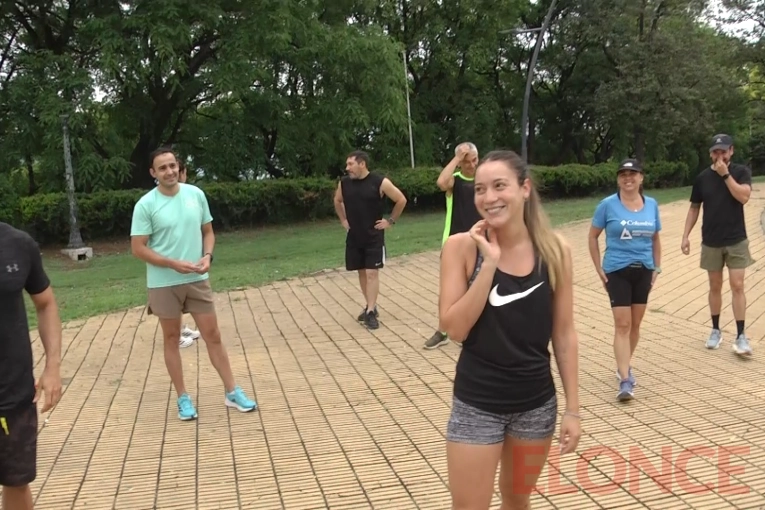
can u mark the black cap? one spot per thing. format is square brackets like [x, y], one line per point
[630, 164]
[721, 142]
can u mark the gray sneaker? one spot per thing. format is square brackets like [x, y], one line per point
[630, 377]
[715, 339]
[626, 391]
[741, 346]
[437, 340]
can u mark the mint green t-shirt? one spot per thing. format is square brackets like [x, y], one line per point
[174, 226]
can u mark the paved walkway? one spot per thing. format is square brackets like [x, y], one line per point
[352, 419]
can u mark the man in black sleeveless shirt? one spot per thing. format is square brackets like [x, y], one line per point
[461, 213]
[21, 269]
[359, 203]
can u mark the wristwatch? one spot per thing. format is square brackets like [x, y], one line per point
[657, 270]
[211, 256]
[725, 176]
[391, 221]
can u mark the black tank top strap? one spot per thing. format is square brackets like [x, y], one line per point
[478, 262]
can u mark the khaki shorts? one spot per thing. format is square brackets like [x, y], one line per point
[171, 302]
[736, 256]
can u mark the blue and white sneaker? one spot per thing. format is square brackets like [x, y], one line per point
[715, 339]
[186, 410]
[626, 391]
[239, 400]
[630, 377]
[741, 346]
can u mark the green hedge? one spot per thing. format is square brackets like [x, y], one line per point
[107, 214]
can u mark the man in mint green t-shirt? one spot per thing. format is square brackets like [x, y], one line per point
[172, 232]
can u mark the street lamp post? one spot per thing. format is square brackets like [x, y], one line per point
[75, 237]
[408, 110]
[530, 75]
[76, 249]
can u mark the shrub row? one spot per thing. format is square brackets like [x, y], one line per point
[108, 214]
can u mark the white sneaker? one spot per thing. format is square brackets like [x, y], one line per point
[189, 333]
[188, 336]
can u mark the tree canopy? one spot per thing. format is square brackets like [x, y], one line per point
[271, 89]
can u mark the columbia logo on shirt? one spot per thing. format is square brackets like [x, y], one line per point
[632, 229]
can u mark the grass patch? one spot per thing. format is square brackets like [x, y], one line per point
[114, 280]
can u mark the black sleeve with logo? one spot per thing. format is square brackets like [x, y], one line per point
[21, 269]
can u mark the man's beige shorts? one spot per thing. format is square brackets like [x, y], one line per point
[171, 302]
[736, 256]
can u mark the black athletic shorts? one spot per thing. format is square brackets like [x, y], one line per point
[371, 256]
[18, 446]
[629, 286]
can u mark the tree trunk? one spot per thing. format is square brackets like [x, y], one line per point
[31, 176]
[140, 177]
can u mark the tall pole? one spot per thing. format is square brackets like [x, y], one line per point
[75, 238]
[529, 78]
[408, 109]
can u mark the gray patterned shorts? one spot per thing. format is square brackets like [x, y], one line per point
[473, 426]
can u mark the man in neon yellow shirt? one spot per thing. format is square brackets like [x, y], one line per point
[461, 213]
[172, 232]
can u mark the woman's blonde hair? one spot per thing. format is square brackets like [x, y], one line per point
[545, 240]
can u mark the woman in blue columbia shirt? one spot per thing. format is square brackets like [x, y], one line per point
[631, 262]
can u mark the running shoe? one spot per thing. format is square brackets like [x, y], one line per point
[741, 346]
[363, 315]
[437, 340]
[630, 377]
[626, 391]
[715, 339]
[186, 410]
[239, 400]
[370, 321]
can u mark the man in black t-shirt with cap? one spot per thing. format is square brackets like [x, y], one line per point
[723, 189]
[21, 269]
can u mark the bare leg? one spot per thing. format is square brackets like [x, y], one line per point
[17, 498]
[372, 289]
[208, 327]
[472, 469]
[736, 281]
[363, 282]
[622, 327]
[715, 292]
[522, 463]
[638, 312]
[171, 332]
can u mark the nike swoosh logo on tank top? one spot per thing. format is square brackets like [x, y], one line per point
[496, 300]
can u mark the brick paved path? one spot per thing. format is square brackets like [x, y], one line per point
[352, 419]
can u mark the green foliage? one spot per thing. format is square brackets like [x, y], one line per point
[9, 201]
[287, 88]
[107, 214]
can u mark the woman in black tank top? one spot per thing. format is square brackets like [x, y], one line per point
[506, 292]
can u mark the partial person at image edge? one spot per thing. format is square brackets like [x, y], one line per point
[21, 269]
